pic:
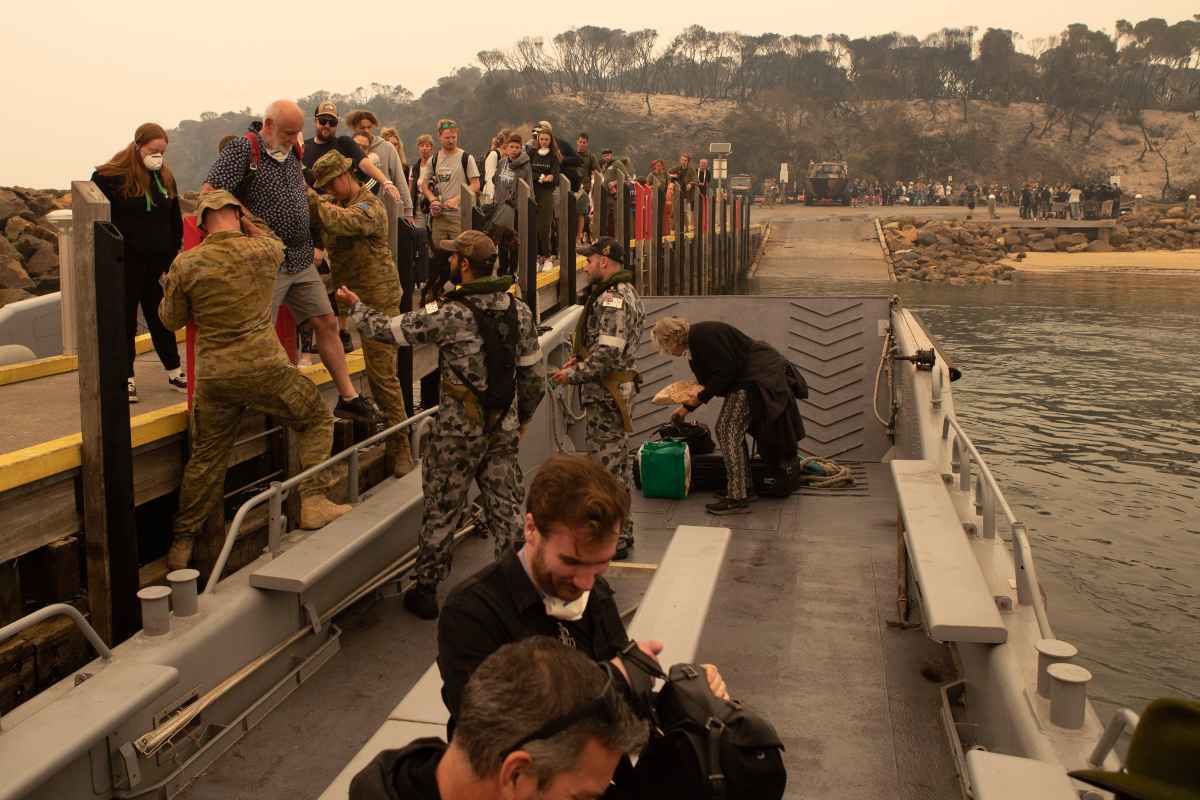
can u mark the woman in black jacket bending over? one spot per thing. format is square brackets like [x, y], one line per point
[145, 209]
[760, 388]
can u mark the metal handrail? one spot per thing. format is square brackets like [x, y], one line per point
[53, 610]
[1123, 720]
[988, 497]
[279, 489]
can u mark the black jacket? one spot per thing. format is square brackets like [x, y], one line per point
[154, 231]
[725, 360]
[409, 773]
[544, 165]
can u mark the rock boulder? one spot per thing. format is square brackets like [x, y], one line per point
[13, 275]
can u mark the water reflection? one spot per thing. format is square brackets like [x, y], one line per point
[1083, 391]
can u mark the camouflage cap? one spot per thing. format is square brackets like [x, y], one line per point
[605, 246]
[328, 167]
[475, 245]
[213, 200]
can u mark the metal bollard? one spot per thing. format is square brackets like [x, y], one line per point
[184, 600]
[1137, 203]
[1051, 651]
[156, 610]
[1068, 695]
[1191, 204]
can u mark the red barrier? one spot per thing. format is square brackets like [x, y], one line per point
[285, 325]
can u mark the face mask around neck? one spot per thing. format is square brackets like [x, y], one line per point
[279, 155]
[153, 161]
[562, 610]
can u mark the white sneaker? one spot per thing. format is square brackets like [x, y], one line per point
[177, 380]
[132, 385]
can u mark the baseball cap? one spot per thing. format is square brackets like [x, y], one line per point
[475, 245]
[213, 200]
[605, 246]
[326, 109]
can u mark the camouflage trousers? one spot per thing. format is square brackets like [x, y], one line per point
[448, 465]
[277, 390]
[609, 444]
[379, 357]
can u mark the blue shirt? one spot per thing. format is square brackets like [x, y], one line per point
[277, 194]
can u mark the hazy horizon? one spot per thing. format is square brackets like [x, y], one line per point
[91, 73]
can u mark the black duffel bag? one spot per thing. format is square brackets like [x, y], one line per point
[695, 435]
[704, 747]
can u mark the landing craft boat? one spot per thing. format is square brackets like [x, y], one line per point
[828, 183]
[893, 630]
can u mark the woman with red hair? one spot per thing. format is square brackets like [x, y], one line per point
[145, 209]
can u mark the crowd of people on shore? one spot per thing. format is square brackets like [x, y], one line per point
[1035, 199]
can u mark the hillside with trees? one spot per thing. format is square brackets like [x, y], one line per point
[976, 104]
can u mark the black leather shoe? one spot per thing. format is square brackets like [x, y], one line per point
[422, 601]
[728, 506]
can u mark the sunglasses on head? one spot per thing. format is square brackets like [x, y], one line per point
[599, 708]
[447, 125]
[327, 121]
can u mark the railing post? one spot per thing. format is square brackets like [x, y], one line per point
[677, 250]
[568, 230]
[275, 519]
[527, 245]
[695, 199]
[710, 242]
[352, 481]
[63, 221]
[620, 218]
[656, 234]
[603, 219]
[989, 512]
[599, 193]
[466, 208]
[107, 481]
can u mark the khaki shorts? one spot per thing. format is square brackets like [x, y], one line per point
[304, 292]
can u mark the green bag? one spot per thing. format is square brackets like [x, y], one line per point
[666, 469]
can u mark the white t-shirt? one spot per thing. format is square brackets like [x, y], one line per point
[450, 178]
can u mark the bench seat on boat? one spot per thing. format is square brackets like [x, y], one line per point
[955, 599]
[73, 724]
[323, 552]
[673, 611]
[995, 776]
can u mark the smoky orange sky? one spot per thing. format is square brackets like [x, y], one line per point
[78, 77]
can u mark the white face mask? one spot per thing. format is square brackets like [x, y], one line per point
[153, 161]
[543, 151]
[561, 609]
[555, 607]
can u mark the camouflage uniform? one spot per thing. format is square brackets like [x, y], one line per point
[356, 240]
[606, 343]
[460, 449]
[225, 285]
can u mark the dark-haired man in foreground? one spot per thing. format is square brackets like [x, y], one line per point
[550, 587]
[539, 720]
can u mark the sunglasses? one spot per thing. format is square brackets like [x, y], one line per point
[599, 708]
[327, 122]
[445, 126]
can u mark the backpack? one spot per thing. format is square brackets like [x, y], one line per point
[695, 434]
[500, 331]
[243, 188]
[704, 747]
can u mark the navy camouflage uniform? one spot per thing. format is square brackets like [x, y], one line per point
[611, 334]
[459, 448]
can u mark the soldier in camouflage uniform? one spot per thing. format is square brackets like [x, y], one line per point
[225, 285]
[606, 342]
[468, 441]
[354, 226]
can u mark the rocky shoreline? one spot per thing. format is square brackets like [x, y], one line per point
[29, 244]
[962, 252]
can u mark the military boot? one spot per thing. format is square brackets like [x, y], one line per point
[404, 458]
[180, 554]
[317, 511]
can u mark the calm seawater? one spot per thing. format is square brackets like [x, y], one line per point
[1083, 394]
